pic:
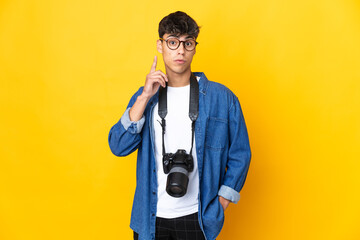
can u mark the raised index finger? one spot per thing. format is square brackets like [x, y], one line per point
[153, 67]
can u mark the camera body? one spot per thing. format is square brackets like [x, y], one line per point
[179, 159]
[178, 166]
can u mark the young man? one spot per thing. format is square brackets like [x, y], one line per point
[192, 142]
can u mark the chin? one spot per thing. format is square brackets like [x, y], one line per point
[179, 70]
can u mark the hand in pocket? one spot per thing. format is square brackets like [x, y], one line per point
[224, 202]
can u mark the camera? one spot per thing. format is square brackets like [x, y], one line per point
[178, 166]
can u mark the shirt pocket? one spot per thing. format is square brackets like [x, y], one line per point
[216, 133]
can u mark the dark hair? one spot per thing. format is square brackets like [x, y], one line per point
[178, 23]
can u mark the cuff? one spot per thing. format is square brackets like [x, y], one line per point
[132, 126]
[229, 194]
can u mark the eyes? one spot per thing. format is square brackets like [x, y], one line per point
[175, 42]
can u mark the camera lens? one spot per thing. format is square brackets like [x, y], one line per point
[177, 182]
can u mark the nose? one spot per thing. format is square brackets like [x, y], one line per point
[181, 48]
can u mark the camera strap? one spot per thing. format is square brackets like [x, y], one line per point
[193, 108]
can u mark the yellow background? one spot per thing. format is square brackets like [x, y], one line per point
[69, 68]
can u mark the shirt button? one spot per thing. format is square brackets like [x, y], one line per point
[153, 214]
[154, 170]
[154, 193]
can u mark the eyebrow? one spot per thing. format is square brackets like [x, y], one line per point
[172, 35]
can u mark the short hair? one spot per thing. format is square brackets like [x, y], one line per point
[178, 23]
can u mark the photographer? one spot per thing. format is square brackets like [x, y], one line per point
[192, 141]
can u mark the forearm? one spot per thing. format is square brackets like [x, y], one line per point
[124, 137]
[137, 110]
[124, 140]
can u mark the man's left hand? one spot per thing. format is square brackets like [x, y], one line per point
[224, 202]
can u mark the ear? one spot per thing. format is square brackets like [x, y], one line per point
[159, 46]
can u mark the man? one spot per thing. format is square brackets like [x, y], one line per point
[214, 154]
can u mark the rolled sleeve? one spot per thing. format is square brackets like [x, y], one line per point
[133, 127]
[229, 193]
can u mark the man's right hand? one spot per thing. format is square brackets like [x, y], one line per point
[153, 81]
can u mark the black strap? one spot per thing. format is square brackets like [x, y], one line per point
[162, 111]
[193, 108]
[194, 105]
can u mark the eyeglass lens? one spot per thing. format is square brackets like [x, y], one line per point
[173, 43]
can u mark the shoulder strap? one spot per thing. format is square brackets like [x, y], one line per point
[162, 111]
[193, 108]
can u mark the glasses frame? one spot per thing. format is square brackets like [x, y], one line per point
[167, 44]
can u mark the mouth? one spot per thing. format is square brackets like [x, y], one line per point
[180, 61]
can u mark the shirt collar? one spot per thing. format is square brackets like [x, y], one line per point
[203, 82]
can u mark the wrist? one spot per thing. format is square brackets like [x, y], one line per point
[224, 199]
[143, 97]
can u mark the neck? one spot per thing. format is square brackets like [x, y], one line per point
[178, 80]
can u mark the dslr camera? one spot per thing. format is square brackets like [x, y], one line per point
[178, 166]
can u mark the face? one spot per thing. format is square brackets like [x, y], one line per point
[179, 60]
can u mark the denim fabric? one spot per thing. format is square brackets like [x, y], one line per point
[223, 152]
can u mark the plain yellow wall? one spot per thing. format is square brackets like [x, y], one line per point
[69, 68]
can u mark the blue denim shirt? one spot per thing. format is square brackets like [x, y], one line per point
[223, 153]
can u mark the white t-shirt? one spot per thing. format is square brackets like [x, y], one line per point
[177, 136]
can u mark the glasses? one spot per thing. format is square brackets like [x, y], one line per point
[174, 43]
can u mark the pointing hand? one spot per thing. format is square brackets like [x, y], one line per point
[153, 80]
